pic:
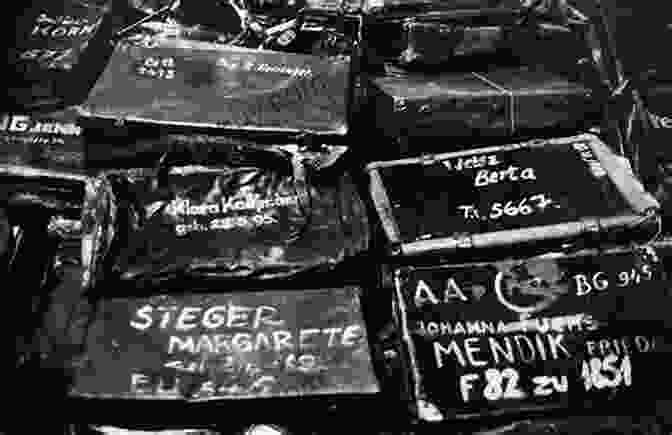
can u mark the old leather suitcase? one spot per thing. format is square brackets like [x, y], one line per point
[57, 52]
[554, 191]
[39, 212]
[501, 103]
[229, 209]
[579, 333]
[449, 37]
[182, 84]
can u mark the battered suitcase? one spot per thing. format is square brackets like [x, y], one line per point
[448, 37]
[578, 334]
[187, 84]
[59, 47]
[225, 208]
[240, 232]
[39, 211]
[554, 191]
[502, 103]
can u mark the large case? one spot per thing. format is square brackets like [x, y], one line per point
[556, 332]
[555, 190]
[188, 84]
[501, 103]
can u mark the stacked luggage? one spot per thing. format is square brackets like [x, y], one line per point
[390, 216]
[511, 218]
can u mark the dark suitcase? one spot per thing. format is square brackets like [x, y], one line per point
[242, 342]
[502, 103]
[557, 191]
[186, 84]
[39, 212]
[227, 209]
[42, 140]
[584, 333]
[59, 48]
[450, 38]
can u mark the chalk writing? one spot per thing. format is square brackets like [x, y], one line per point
[277, 340]
[237, 64]
[159, 68]
[473, 162]
[486, 177]
[65, 29]
[620, 346]
[505, 384]
[497, 210]
[167, 386]
[26, 124]
[51, 58]
[599, 281]
[659, 121]
[484, 351]
[236, 203]
[64, 20]
[452, 289]
[568, 323]
[547, 385]
[608, 366]
[253, 202]
[227, 363]
[607, 372]
[214, 317]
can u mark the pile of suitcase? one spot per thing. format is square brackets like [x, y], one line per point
[391, 216]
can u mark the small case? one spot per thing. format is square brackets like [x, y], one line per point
[555, 190]
[557, 332]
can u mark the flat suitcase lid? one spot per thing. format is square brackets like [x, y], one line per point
[507, 82]
[227, 345]
[504, 195]
[541, 324]
[198, 84]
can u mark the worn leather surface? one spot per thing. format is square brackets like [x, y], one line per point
[472, 105]
[268, 218]
[187, 83]
[59, 48]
